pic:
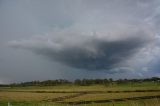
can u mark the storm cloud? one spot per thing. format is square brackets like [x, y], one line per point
[89, 52]
[55, 39]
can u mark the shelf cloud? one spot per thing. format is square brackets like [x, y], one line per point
[52, 39]
[89, 51]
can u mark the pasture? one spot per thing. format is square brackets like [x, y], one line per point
[137, 94]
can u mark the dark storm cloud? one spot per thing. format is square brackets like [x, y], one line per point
[108, 56]
[91, 54]
[120, 42]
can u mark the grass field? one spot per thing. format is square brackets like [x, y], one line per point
[138, 94]
[149, 102]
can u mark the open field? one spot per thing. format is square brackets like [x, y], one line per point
[147, 102]
[72, 87]
[140, 94]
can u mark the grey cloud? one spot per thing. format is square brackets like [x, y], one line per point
[120, 41]
[109, 54]
[90, 52]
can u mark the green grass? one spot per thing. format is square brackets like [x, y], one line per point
[70, 87]
[110, 96]
[149, 102]
[39, 96]
[30, 104]
[27, 96]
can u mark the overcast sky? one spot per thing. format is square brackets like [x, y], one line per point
[70, 39]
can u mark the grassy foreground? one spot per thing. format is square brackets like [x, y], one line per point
[149, 102]
[137, 94]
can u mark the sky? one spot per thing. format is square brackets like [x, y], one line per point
[76, 39]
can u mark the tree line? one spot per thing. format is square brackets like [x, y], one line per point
[82, 82]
